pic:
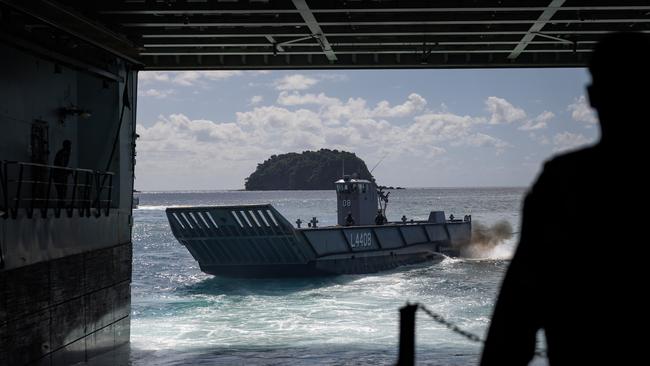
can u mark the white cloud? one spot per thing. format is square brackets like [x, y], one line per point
[437, 127]
[146, 77]
[414, 103]
[182, 142]
[569, 141]
[294, 98]
[539, 122]
[502, 111]
[483, 140]
[335, 109]
[581, 111]
[295, 82]
[256, 99]
[405, 130]
[155, 93]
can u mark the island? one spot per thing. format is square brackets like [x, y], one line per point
[309, 170]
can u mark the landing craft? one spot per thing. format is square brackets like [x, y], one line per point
[257, 241]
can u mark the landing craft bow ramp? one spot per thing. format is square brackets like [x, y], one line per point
[68, 71]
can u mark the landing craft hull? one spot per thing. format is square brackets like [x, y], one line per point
[257, 241]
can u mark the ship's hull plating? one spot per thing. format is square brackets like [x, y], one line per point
[337, 265]
[256, 241]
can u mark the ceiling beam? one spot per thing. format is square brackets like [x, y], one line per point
[546, 15]
[537, 23]
[355, 52]
[76, 25]
[366, 61]
[553, 40]
[186, 33]
[315, 29]
[199, 9]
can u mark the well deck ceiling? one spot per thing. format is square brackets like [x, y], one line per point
[276, 34]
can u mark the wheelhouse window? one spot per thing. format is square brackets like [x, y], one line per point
[343, 188]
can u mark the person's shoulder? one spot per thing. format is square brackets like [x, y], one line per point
[569, 167]
[578, 159]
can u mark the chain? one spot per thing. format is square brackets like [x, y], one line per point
[456, 329]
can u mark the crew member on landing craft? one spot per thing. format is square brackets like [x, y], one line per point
[380, 219]
[349, 220]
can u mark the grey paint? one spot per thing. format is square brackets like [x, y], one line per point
[326, 241]
[66, 310]
[246, 234]
[460, 233]
[237, 240]
[32, 90]
[362, 205]
[437, 232]
[65, 283]
[361, 239]
[414, 234]
[389, 237]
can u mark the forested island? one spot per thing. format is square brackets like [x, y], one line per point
[309, 170]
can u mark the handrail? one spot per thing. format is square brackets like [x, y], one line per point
[33, 186]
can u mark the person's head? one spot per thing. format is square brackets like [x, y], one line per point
[620, 73]
[67, 145]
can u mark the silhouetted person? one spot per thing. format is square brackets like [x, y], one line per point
[60, 176]
[349, 220]
[379, 219]
[579, 269]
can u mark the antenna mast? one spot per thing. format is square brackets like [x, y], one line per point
[379, 162]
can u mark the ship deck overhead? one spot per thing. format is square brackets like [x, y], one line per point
[293, 34]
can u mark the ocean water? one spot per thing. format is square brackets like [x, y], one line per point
[181, 316]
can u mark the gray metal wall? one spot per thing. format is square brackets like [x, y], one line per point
[65, 281]
[362, 205]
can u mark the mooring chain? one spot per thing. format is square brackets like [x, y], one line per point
[456, 329]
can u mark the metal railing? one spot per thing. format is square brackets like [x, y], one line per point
[407, 333]
[39, 188]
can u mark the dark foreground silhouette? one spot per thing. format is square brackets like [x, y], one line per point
[579, 271]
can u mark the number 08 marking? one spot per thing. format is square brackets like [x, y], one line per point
[347, 203]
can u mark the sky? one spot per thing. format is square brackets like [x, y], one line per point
[208, 130]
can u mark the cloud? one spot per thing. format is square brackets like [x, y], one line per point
[155, 93]
[537, 123]
[414, 103]
[177, 145]
[581, 111]
[146, 77]
[256, 99]
[569, 141]
[292, 99]
[439, 127]
[502, 111]
[336, 109]
[483, 140]
[295, 82]
[348, 125]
